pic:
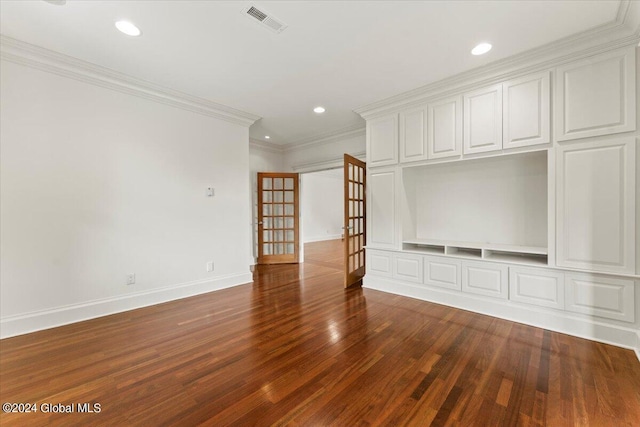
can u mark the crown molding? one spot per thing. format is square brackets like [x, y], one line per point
[325, 138]
[23, 53]
[609, 36]
[257, 144]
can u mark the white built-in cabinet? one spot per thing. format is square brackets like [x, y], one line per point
[606, 297]
[596, 206]
[527, 111]
[443, 272]
[382, 141]
[381, 212]
[485, 278]
[517, 199]
[444, 129]
[413, 134]
[536, 286]
[483, 120]
[596, 96]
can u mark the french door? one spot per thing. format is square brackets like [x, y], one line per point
[278, 218]
[354, 220]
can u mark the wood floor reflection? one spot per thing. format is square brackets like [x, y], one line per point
[295, 348]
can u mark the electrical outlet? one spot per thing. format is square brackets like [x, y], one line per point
[131, 278]
[210, 266]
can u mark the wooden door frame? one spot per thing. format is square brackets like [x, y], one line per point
[353, 277]
[279, 258]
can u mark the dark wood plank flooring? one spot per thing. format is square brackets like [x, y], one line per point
[295, 348]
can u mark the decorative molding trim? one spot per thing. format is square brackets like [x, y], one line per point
[22, 53]
[326, 138]
[606, 37]
[621, 336]
[30, 322]
[326, 164]
[257, 144]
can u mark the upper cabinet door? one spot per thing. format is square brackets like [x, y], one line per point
[526, 109]
[413, 135]
[483, 120]
[444, 129]
[382, 141]
[381, 209]
[595, 204]
[596, 96]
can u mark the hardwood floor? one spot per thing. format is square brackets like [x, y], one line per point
[295, 348]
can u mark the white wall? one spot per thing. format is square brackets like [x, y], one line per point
[96, 184]
[326, 152]
[322, 205]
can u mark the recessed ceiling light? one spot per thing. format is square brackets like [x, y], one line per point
[57, 2]
[128, 28]
[267, 137]
[481, 49]
[319, 110]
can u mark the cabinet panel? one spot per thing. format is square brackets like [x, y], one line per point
[442, 272]
[526, 109]
[536, 286]
[596, 96]
[445, 128]
[596, 206]
[484, 278]
[608, 297]
[382, 141]
[483, 120]
[379, 263]
[407, 267]
[381, 210]
[413, 136]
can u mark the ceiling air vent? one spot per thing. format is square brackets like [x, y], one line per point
[264, 18]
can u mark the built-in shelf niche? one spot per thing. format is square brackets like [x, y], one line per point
[491, 208]
[531, 255]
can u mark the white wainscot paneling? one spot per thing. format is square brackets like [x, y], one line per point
[527, 111]
[445, 128]
[484, 278]
[381, 212]
[407, 267]
[608, 297]
[442, 272]
[596, 205]
[483, 120]
[379, 263]
[596, 96]
[536, 286]
[382, 141]
[413, 135]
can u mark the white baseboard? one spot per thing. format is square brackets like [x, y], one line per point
[621, 336]
[35, 321]
[322, 238]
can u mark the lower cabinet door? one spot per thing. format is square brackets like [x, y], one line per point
[407, 267]
[536, 286]
[601, 296]
[378, 263]
[442, 272]
[485, 278]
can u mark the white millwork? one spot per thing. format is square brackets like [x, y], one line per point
[488, 202]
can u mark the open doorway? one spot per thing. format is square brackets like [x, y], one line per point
[333, 217]
[327, 212]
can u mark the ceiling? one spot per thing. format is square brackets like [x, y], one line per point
[338, 54]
